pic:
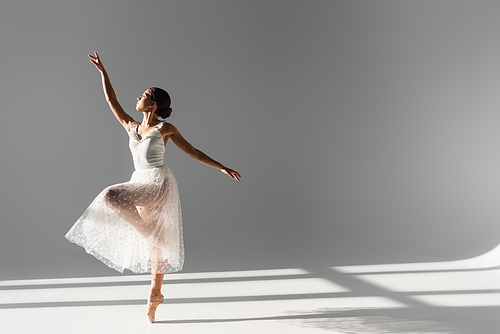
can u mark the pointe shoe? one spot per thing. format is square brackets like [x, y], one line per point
[153, 303]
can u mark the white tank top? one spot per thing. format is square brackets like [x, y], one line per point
[147, 152]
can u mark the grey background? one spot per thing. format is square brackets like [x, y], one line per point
[365, 131]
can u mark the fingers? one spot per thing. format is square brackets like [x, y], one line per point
[95, 58]
[231, 173]
[96, 61]
[235, 175]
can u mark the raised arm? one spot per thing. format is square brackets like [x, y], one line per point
[110, 95]
[170, 131]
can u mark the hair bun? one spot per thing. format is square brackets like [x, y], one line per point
[164, 113]
[163, 101]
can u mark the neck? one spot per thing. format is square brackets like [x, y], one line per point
[149, 119]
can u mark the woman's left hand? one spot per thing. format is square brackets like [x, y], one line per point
[96, 61]
[232, 173]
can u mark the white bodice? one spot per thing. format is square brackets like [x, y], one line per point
[147, 152]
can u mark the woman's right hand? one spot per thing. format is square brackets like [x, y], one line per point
[96, 61]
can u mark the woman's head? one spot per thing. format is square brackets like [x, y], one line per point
[162, 99]
[155, 100]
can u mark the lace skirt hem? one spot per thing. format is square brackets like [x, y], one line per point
[135, 225]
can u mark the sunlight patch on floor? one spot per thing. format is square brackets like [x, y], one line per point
[490, 259]
[461, 300]
[147, 277]
[171, 291]
[437, 281]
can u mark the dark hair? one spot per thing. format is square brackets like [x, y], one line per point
[162, 99]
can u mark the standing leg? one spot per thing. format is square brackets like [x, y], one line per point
[157, 271]
[124, 202]
[155, 297]
[156, 283]
[158, 266]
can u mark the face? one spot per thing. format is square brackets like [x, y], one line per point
[144, 102]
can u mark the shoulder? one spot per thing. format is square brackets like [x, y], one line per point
[131, 125]
[168, 129]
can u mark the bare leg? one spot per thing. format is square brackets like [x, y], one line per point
[156, 283]
[158, 266]
[157, 272]
[127, 210]
[155, 297]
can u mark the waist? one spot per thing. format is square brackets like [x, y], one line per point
[149, 166]
[151, 174]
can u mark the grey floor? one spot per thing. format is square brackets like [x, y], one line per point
[439, 297]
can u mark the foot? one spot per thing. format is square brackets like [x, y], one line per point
[153, 303]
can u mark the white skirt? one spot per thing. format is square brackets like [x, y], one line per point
[136, 225]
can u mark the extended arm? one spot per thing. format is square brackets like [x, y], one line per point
[110, 95]
[174, 134]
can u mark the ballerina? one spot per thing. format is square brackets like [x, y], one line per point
[137, 225]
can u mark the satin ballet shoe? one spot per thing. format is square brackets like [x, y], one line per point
[153, 303]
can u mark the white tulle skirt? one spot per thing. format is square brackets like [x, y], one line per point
[136, 225]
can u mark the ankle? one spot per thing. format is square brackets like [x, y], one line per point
[154, 292]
